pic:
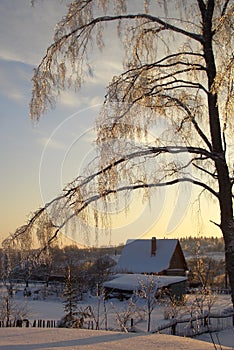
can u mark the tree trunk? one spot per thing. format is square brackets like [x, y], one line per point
[228, 235]
[149, 321]
[227, 222]
[218, 146]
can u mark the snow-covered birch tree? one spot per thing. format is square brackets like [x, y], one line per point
[178, 65]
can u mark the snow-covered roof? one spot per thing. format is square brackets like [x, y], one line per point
[136, 256]
[130, 282]
[115, 258]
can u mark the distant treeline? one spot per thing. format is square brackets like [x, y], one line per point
[203, 244]
[188, 244]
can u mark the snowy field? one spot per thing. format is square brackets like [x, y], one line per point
[69, 339]
[51, 308]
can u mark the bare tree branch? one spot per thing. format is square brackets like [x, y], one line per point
[206, 171]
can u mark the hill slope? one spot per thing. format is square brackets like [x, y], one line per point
[67, 339]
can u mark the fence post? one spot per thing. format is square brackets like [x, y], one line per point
[19, 323]
[205, 321]
[173, 328]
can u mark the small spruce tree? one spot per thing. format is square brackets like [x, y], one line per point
[70, 301]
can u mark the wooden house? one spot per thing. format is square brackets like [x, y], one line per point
[153, 256]
[162, 259]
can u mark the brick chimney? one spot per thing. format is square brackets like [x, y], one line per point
[153, 246]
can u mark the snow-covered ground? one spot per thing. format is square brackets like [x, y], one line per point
[69, 339]
[51, 308]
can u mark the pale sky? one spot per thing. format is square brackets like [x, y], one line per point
[38, 160]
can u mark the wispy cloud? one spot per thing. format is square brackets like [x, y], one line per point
[51, 143]
[26, 31]
[13, 82]
[106, 69]
[78, 100]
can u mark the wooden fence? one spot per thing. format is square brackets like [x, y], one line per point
[27, 323]
[197, 325]
[185, 327]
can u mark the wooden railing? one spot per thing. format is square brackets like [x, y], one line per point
[197, 325]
